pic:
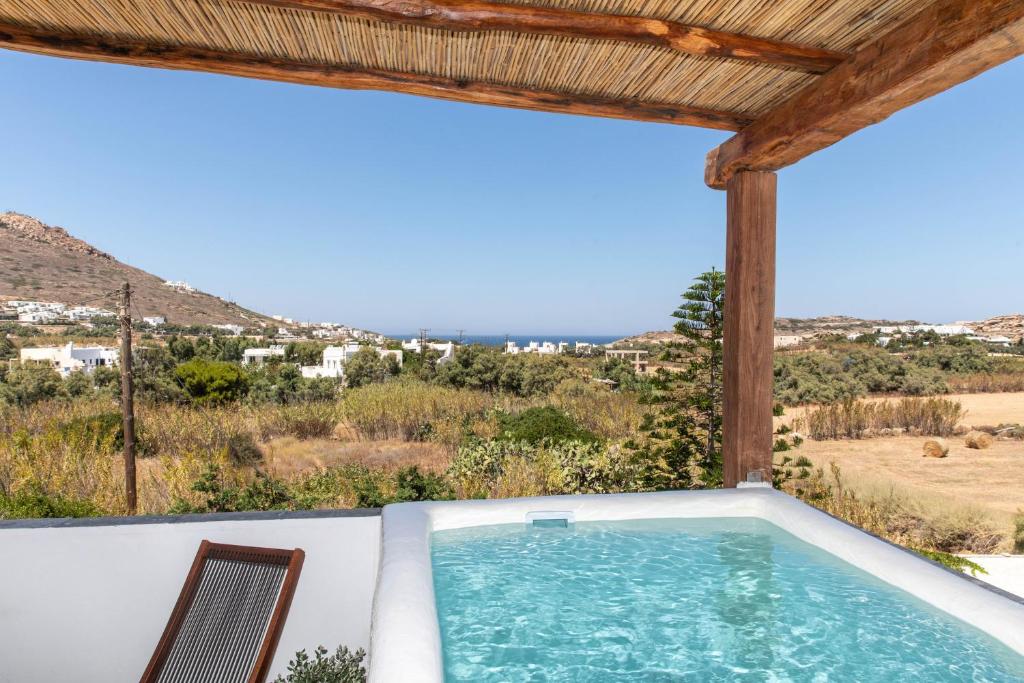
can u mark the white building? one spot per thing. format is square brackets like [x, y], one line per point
[87, 313]
[70, 358]
[37, 317]
[154, 320]
[334, 358]
[179, 285]
[50, 311]
[261, 355]
[941, 330]
[783, 340]
[447, 349]
[542, 348]
[236, 330]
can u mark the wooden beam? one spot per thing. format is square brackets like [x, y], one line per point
[948, 42]
[749, 319]
[481, 15]
[122, 51]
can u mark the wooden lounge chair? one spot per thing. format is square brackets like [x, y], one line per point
[229, 616]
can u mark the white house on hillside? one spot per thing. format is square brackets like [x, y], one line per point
[70, 358]
[154, 320]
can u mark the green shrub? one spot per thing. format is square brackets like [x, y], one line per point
[954, 562]
[409, 485]
[210, 382]
[488, 369]
[343, 666]
[263, 493]
[27, 384]
[33, 502]
[487, 468]
[534, 425]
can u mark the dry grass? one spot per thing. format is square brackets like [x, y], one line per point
[288, 457]
[987, 382]
[910, 518]
[610, 415]
[989, 481]
[411, 411]
[853, 419]
[979, 409]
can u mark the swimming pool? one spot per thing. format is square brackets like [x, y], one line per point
[836, 599]
[685, 599]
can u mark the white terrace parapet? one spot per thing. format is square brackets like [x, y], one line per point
[87, 602]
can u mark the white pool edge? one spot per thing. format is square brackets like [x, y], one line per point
[405, 639]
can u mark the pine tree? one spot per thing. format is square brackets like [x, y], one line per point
[685, 436]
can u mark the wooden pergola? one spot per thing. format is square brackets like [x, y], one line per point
[790, 77]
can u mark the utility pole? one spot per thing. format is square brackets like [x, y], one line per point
[461, 335]
[127, 394]
[423, 340]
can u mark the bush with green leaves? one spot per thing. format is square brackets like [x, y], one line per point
[951, 561]
[24, 385]
[489, 369]
[367, 366]
[409, 485]
[564, 467]
[851, 371]
[34, 502]
[208, 382]
[344, 666]
[263, 493]
[535, 425]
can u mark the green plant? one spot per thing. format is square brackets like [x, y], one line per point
[212, 382]
[534, 425]
[409, 484]
[262, 493]
[344, 666]
[683, 440]
[369, 367]
[33, 502]
[954, 562]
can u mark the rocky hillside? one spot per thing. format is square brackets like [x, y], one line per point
[1011, 326]
[45, 263]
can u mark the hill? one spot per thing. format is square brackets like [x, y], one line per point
[1011, 326]
[45, 263]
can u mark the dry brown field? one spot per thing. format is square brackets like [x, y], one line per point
[991, 480]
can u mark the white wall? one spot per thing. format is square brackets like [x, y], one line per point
[89, 603]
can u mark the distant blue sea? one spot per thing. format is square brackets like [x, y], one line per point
[519, 339]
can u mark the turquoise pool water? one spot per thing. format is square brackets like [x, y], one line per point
[686, 600]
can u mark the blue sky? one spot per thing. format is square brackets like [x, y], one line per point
[392, 212]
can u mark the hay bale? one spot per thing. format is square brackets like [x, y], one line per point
[936, 448]
[978, 440]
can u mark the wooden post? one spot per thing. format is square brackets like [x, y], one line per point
[749, 327]
[127, 395]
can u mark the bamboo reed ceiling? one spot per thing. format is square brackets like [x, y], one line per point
[625, 72]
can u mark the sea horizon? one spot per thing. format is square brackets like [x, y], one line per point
[519, 339]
